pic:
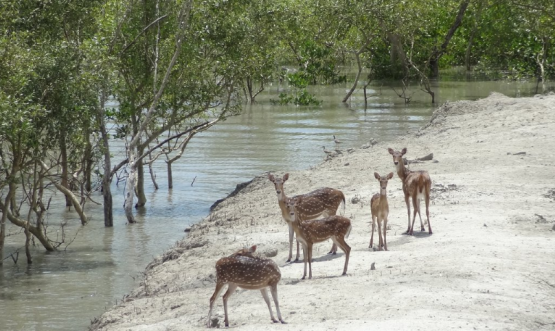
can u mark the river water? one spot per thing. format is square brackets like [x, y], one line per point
[64, 290]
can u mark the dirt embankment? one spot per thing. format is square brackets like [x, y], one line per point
[490, 263]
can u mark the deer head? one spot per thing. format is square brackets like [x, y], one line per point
[397, 156]
[278, 184]
[383, 181]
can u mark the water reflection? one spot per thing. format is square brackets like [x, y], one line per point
[66, 289]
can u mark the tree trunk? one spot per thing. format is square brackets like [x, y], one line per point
[433, 61]
[107, 178]
[152, 174]
[130, 186]
[140, 187]
[135, 141]
[359, 65]
[541, 60]
[9, 198]
[88, 160]
[73, 199]
[27, 244]
[473, 34]
[170, 175]
[37, 231]
[3, 220]
[250, 98]
[398, 56]
[63, 152]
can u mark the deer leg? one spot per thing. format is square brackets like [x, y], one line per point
[230, 290]
[414, 202]
[384, 233]
[372, 235]
[305, 257]
[427, 200]
[219, 287]
[419, 216]
[267, 300]
[408, 213]
[297, 257]
[380, 235]
[333, 249]
[340, 241]
[273, 290]
[309, 260]
[291, 243]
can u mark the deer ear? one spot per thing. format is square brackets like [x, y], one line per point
[390, 175]
[252, 249]
[390, 150]
[285, 177]
[271, 177]
[403, 151]
[377, 176]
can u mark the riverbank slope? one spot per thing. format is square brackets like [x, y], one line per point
[490, 263]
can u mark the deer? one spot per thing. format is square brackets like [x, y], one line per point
[416, 185]
[248, 271]
[321, 202]
[310, 232]
[380, 211]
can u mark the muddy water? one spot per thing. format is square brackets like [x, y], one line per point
[66, 289]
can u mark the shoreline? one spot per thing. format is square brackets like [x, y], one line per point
[486, 265]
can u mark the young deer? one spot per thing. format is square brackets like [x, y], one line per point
[315, 231]
[380, 210]
[416, 185]
[245, 270]
[322, 202]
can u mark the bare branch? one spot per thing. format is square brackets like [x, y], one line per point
[142, 32]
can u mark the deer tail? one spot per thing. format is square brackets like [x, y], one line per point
[421, 184]
[344, 203]
[348, 231]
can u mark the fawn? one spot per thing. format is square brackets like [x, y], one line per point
[245, 270]
[380, 210]
[315, 231]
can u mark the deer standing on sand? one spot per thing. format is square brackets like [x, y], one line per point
[321, 202]
[380, 210]
[315, 231]
[416, 185]
[245, 270]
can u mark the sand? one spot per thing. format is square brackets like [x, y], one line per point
[489, 264]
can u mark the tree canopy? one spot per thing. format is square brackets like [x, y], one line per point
[176, 68]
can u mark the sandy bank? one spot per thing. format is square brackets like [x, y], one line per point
[490, 263]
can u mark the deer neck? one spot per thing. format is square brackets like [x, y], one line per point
[401, 170]
[296, 224]
[282, 201]
[383, 200]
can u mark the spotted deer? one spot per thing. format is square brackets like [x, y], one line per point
[314, 231]
[321, 202]
[245, 270]
[380, 211]
[416, 185]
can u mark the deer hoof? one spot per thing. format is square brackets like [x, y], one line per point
[283, 322]
[275, 321]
